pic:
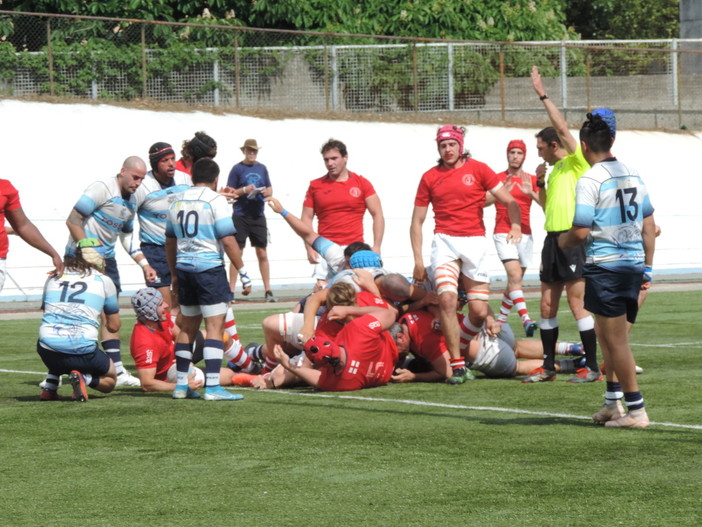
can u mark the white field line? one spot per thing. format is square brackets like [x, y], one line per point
[424, 403]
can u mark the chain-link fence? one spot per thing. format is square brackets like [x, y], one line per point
[651, 84]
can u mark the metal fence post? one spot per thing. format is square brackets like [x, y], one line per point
[564, 79]
[143, 61]
[335, 104]
[451, 95]
[502, 83]
[675, 66]
[50, 56]
[236, 69]
[415, 80]
[588, 78]
[215, 77]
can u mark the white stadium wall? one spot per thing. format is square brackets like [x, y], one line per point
[51, 152]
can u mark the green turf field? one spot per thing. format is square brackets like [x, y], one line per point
[490, 452]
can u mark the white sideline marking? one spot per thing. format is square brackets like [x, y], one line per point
[421, 403]
[462, 407]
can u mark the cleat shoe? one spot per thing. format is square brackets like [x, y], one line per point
[460, 375]
[530, 327]
[184, 392]
[585, 375]
[639, 369]
[49, 395]
[127, 379]
[80, 393]
[609, 412]
[270, 297]
[44, 385]
[540, 375]
[217, 393]
[634, 419]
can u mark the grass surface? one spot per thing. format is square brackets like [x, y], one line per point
[374, 458]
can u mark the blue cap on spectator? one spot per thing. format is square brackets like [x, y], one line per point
[608, 117]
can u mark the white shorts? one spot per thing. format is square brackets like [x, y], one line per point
[496, 357]
[212, 310]
[3, 272]
[470, 250]
[508, 251]
[290, 325]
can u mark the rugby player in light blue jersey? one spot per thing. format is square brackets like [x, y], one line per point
[198, 232]
[73, 304]
[614, 219]
[105, 211]
[153, 198]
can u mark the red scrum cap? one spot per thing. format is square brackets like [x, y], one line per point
[451, 132]
[516, 143]
[320, 348]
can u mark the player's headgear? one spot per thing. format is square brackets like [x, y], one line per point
[608, 117]
[321, 348]
[92, 251]
[365, 259]
[145, 303]
[516, 143]
[158, 151]
[202, 145]
[451, 132]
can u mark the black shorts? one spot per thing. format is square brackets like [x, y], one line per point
[205, 288]
[255, 229]
[96, 363]
[560, 265]
[156, 255]
[112, 271]
[611, 294]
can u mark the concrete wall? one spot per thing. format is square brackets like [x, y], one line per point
[54, 151]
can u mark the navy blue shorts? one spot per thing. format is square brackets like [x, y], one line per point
[96, 363]
[560, 265]
[611, 294]
[112, 271]
[205, 288]
[255, 229]
[156, 255]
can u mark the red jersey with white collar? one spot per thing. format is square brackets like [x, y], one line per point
[331, 328]
[339, 207]
[9, 200]
[153, 348]
[457, 196]
[502, 223]
[371, 355]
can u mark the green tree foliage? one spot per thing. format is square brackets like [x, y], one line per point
[624, 19]
[503, 20]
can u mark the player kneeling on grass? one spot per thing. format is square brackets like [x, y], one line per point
[152, 346]
[68, 335]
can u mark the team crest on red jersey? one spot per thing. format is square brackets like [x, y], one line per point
[374, 324]
[355, 192]
[468, 180]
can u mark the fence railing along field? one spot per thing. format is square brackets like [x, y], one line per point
[651, 84]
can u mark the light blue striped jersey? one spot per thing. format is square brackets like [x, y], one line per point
[72, 305]
[611, 200]
[199, 219]
[152, 203]
[107, 214]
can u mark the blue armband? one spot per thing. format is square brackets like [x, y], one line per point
[648, 274]
[284, 213]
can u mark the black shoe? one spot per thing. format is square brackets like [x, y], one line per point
[270, 297]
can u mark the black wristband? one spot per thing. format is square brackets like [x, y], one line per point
[544, 96]
[541, 184]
